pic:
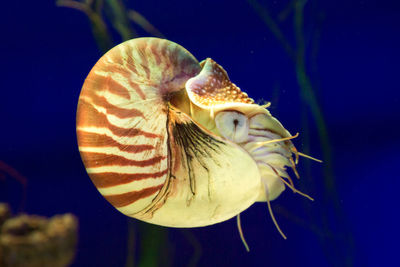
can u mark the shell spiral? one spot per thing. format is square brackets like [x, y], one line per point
[143, 150]
[122, 117]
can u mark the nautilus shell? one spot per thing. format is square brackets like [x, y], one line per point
[171, 141]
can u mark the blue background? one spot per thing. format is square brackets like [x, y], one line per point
[47, 51]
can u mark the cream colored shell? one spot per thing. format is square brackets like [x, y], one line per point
[148, 136]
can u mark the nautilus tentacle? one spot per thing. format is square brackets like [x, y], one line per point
[145, 153]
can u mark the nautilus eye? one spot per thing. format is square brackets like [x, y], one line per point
[168, 140]
[232, 125]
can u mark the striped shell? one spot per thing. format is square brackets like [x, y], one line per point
[154, 133]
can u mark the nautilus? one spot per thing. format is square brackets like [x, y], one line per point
[172, 141]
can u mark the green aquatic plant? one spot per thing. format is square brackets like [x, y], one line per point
[337, 244]
[102, 13]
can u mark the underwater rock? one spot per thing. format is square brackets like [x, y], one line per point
[33, 241]
[5, 213]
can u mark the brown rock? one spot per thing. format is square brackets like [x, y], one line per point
[5, 213]
[34, 241]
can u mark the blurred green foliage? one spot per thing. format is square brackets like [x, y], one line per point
[333, 233]
[102, 13]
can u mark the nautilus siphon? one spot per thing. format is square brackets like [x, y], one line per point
[171, 141]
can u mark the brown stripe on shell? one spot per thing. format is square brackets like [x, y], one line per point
[155, 52]
[173, 57]
[116, 88]
[87, 139]
[125, 71]
[163, 53]
[121, 113]
[115, 56]
[98, 82]
[185, 64]
[113, 86]
[129, 59]
[125, 199]
[137, 89]
[143, 58]
[108, 179]
[95, 159]
[93, 118]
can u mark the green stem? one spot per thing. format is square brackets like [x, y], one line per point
[119, 18]
[152, 245]
[100, 33]
[330, 197]
[273, 26]
[131, 244]
[99, 27]
[197, 249]
[308, 96]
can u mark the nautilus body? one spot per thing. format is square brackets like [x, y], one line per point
[171, 141]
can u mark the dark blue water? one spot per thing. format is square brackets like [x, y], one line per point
[46, 53]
